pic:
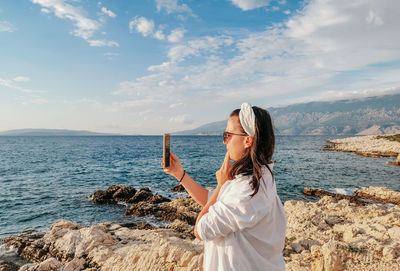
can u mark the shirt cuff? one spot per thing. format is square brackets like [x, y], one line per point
[200, 227]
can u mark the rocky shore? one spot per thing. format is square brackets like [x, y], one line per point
[371, 146]
[331, 234]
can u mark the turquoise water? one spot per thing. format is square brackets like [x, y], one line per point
[43, 179]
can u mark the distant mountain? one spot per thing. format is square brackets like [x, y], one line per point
[50, 132]
[366, 116]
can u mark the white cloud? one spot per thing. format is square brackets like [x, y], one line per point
[282, 2]
[22, 79]
[287, 12]
[310, 53]
[372, 18]
[176, 35]
[12, 85]
[175, 105]
[84, 26]
[159, 34]
[6, 27]
[250, 4]
[98, 43]
[45, 10]
[182, 119]
[142, 25]
[146, 28]
[171, 6]
[108, 12]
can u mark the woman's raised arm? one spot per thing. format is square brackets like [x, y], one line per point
[195, 190]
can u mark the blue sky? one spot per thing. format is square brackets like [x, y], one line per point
[155, 66]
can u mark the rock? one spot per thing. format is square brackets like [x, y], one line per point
[143, 194]
[50, 264]
[8, 266]
[380, 194]
[183, 228]
[113, 194]
[320, 193]
[332, 260]
[370, 146]
[158, 199]
[76, 264]
[178, 188]
[391, 252]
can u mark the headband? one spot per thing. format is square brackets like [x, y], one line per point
[247, 119]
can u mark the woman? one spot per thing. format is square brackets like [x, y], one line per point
[242, 222]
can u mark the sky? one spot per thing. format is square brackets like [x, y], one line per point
[157, 66]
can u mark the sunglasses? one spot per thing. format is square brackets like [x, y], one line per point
[228, 135]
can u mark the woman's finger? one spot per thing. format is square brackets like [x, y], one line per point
[225, 164]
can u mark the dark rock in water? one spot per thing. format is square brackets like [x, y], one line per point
[113, 194]
[143, 194]
[8, 266]
[143, 209]
[103, 197]
[178, 188]
[124, 193]
[158, 199]
[320, 193]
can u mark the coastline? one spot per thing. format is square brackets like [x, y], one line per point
[326, 235]
[370, 146]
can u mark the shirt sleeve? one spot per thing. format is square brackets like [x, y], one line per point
[210, 193]
[225, 217]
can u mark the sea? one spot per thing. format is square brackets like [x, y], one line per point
[43, 179]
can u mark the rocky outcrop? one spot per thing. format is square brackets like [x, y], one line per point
[69, 246]
[340, 235]
[370, 146]
[320, 193]
[360, 197]
[327, 235]
[381, 194]
[113, 194]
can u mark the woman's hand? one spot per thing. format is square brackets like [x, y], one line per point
[175, 167]
[224, 173]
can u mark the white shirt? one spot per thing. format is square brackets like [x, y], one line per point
[244, 233]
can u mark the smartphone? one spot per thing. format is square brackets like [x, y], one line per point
[166, 149]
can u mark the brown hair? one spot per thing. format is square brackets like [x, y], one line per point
[261, 151]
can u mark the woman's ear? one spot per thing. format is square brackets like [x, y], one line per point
[248, 142]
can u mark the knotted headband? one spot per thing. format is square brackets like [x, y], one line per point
[247, 119]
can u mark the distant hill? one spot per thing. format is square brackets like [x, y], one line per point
[51, 132]
[366, 116]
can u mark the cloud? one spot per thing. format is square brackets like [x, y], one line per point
[287, 12]
[175, 105]
[22, 79]
[142, 25]
[308, 52]
[99, 43]
[181, 119]
[84, 26]
[12, 85]
[6, 27]
[146, 28]
[250, 4]
[108, 12]
[45, 10]
[171, 6]
[176, 35]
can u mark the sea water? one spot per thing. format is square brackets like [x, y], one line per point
[43, 179]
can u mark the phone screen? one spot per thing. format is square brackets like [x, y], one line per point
[166, 149]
